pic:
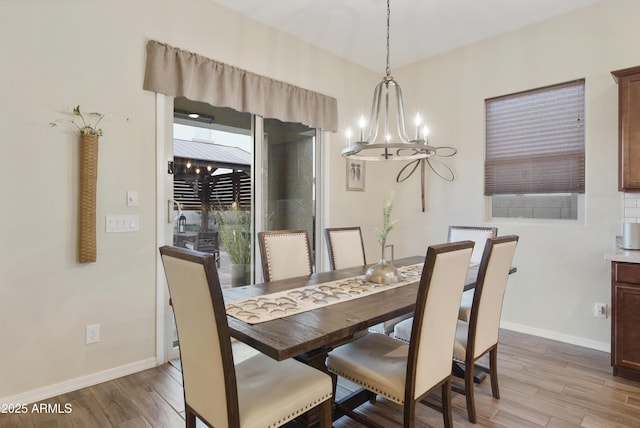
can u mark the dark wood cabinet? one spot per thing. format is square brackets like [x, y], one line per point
[628, 128]
[625, 320]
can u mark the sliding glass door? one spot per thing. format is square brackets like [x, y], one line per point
[289, 192]
[235, 174]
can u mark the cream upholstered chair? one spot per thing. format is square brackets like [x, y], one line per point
[257, 392]
[345, 246]
[346, 249]
[406, 373]
[480, 335]
[285, 254]
[478, 235]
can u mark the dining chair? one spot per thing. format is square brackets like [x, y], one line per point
[257, 392]
[346, 249]
[407, 373]
[480, 335]
[479, 235]
[285, 254]
[345, 246]
[208, 242]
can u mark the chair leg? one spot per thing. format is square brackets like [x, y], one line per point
[190, 417]
[468, 391]
[409, 414]
[493, 371]
[446, 403]
[326, 410]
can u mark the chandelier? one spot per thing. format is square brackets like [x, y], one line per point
[385, 145]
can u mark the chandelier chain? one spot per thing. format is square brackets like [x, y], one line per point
[388, 25]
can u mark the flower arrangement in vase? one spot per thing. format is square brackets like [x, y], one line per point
[384, 272]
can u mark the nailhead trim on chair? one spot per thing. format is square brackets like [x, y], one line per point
[268, 251]
[299, 412]
[369, 387]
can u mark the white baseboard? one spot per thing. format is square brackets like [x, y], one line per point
[49, 391]
[560, 337]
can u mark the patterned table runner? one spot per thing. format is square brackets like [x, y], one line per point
[255, 310]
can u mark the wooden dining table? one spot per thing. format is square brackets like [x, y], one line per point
[309, 336]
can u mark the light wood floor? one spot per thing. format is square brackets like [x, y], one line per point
[542, 383]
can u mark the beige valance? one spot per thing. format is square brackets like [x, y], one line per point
[176, 72]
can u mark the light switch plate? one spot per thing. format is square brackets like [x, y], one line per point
[122, 223]
[132, 198]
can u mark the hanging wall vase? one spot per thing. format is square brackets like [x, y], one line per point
[88, 161]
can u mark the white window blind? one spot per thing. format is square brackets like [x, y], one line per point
[534, 141]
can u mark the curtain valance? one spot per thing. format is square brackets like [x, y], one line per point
[176, 72]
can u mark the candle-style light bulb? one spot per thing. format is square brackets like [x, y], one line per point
[418, 121]
[348, 133]
[362, 124]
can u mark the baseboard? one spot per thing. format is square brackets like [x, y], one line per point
[79, 383]
[560, 337]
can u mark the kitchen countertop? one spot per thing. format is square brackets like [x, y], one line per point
[620, 255]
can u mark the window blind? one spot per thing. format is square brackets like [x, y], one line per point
[534, 141]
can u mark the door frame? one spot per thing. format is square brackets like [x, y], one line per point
[164, 208]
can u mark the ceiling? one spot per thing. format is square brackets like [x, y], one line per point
[356, 29]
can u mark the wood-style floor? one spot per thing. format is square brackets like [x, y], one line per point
[543, 383]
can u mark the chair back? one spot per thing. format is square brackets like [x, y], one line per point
[208, 372]
[486, 309]
[207, 242]
[345, 247]
[477, 234]
[285, 254]
[435, 316]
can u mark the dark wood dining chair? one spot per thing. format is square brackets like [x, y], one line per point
[346, 249]
[407, 373]
[480, 335]
[258, 391]
[285, 254]
[208, 242]
[479, 235]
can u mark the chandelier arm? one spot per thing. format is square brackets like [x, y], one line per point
[386, 111]
[402, 130]
[375, 113]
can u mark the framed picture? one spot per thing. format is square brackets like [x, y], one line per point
[355, 174]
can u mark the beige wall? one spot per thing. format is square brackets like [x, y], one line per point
[561, 266]
[59, 53]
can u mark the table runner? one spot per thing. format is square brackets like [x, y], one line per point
[255, 310]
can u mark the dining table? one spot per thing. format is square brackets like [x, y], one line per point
[310, 335]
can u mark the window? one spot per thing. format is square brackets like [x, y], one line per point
[534, 148]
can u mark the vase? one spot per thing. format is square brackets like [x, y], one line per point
[88, 169]
[240, 275]
[383, 272]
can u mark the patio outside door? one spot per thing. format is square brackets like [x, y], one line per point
[235, 174]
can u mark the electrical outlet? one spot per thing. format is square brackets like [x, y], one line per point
[92, 333]
[600, 310]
